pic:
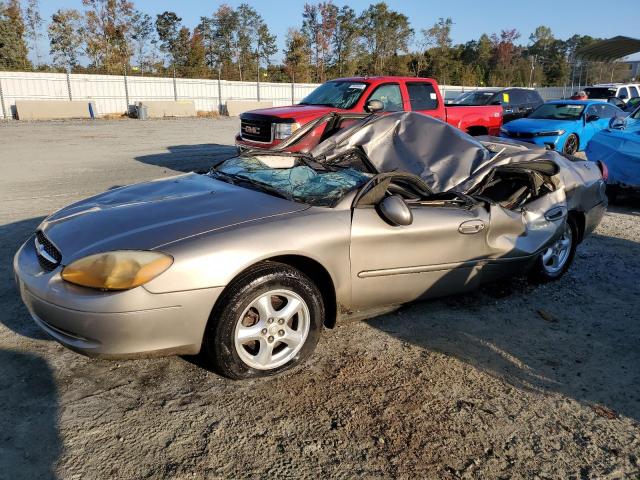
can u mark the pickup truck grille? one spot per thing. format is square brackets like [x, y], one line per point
[256, 130]
[49, 257]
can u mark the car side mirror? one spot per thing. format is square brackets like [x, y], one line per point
[592, 118]
[617, 123]
[374, 106]
[394, 210]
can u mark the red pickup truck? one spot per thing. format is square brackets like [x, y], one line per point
[267, 127]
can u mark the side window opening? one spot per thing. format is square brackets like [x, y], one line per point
[390, 97]
[512, 188]
[422, 96]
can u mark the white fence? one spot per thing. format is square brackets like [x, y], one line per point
[112, 94]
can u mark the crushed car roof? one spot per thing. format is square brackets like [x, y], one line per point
[442, 155]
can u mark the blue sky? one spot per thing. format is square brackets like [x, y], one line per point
[471, 17]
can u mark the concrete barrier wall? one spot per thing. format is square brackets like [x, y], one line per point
[236, 107]
[161, 109]
[52, 109]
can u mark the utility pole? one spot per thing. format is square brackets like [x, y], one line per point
[219, 88]
[258, 74]
[533, 60]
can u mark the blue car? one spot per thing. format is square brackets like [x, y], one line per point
[563, 125]
[618, 147]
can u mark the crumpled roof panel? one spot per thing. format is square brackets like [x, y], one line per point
[437, 152]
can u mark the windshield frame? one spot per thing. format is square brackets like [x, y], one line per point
[351, 104]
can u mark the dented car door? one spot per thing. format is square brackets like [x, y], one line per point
[442, 250]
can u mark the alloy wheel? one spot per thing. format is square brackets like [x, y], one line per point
[555, 257]
[272, 329]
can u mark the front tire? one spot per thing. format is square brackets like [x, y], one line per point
[556, 259]
[571, 145]
[268, 320]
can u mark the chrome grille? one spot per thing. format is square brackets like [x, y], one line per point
[256, 130]
[49, 256]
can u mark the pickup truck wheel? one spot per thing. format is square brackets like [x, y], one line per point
[270, 320]
[571, 144]
[556, 259]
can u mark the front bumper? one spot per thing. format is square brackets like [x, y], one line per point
[549, 142]
[121, 324]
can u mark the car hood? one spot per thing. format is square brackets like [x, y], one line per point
[532, 125]
[149, 215]
[294, 112]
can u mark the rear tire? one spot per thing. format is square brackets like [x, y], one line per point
[268, 320]
[571, 145]
[556, 259]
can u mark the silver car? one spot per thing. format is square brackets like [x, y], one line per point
[350, 217]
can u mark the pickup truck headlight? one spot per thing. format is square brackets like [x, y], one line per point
[284, 130]
[118, 270]
[551, 133]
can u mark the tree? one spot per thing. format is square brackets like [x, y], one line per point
[504, 51]
[437, 41]
[225, 20]
[142, 35]
[255, 42]
[33, 25]
[345, 40]
[296, 54]
[168, 26]
[66, 38]
[385, 33]
[108, 25]
[13, 48]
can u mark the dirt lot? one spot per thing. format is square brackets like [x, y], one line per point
[514, 381]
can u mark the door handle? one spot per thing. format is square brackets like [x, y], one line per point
[555, 213]
[471, 226]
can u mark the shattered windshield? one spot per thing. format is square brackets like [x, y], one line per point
[336, 94]
[292, 179]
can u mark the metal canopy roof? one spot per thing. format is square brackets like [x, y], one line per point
[610, 49]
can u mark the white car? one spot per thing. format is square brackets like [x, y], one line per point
[605, 91]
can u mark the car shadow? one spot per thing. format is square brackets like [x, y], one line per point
[574, 336]
[627, 202]
[30, 443]
[14, 314]
[190, 158]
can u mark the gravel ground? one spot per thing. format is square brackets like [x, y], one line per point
[513, 381]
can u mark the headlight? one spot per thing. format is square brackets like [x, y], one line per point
[119, 270]
[504, 130]
[284, 130]
[551, 133]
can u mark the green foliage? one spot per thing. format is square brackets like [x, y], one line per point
[13, 48]
[66, 38]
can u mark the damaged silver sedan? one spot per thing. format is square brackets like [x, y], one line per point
[351, 217]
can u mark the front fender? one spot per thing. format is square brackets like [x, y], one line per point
[215, 259]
